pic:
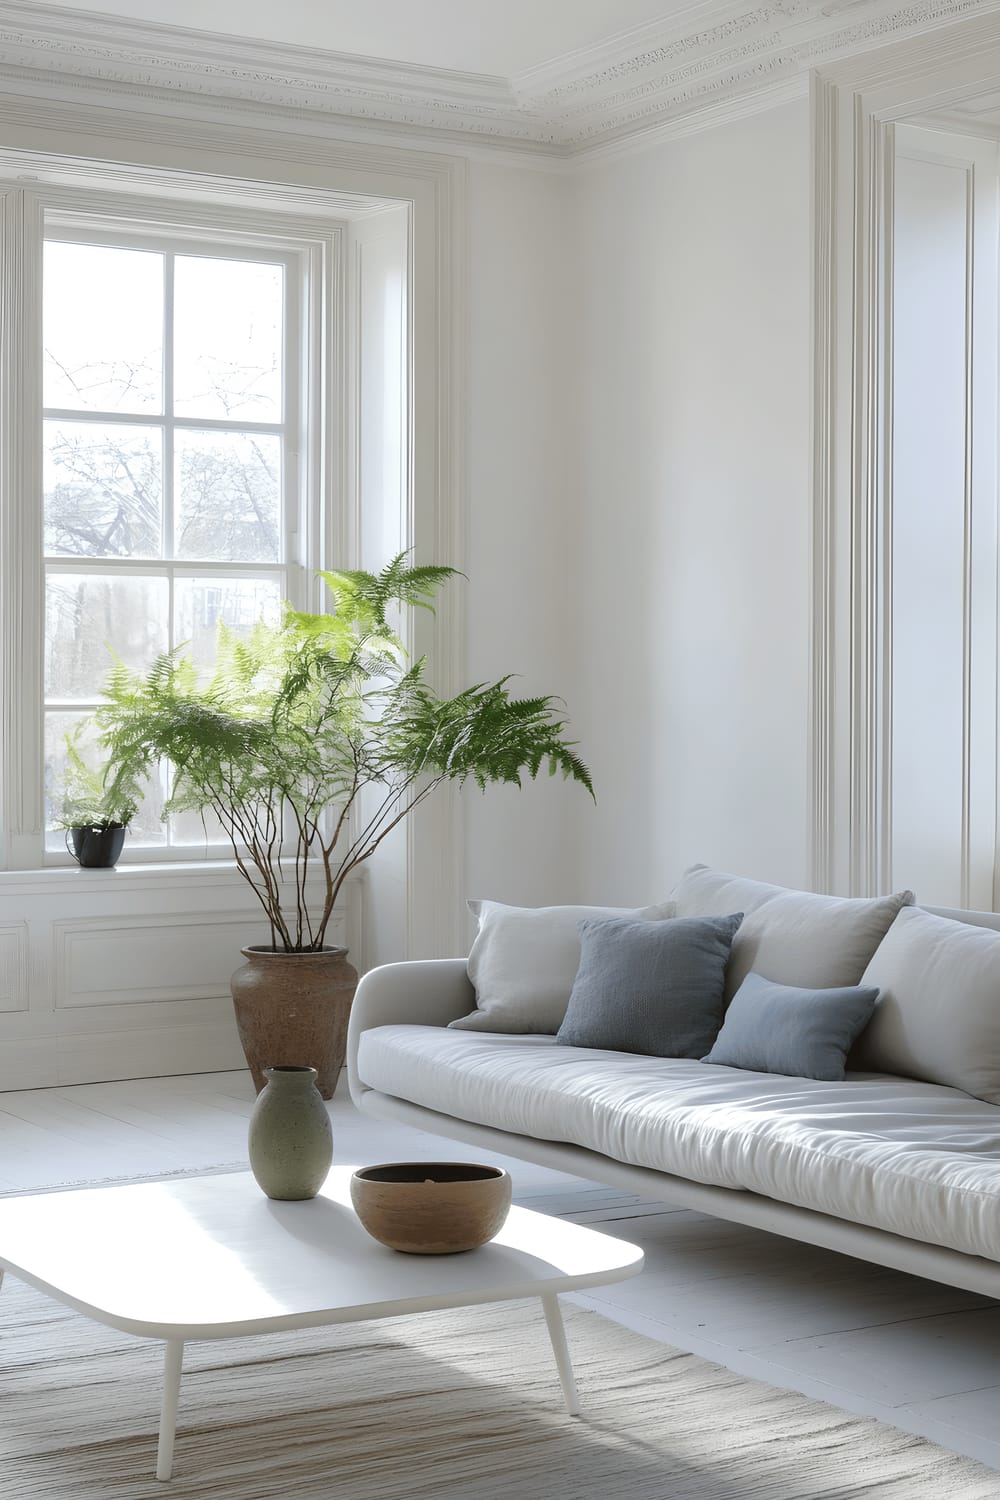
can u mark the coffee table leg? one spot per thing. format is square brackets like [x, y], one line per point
[560, 1348]
[168, 1412]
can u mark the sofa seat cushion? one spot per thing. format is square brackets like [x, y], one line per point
[915, 1159]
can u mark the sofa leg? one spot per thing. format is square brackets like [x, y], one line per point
[560, 1348]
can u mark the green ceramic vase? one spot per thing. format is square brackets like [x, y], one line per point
[290, 1141]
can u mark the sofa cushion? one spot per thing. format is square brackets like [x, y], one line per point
[938, 1015]
[795, 937]
[783, 1028]
[524, 960]
[911, 1158]
[649, 986]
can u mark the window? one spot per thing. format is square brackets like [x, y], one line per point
[168, 502]
[167, 465]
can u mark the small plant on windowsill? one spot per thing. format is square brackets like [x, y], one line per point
[312, 740]
[98, 806]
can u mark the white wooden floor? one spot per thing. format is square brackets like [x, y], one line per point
[922, 1356]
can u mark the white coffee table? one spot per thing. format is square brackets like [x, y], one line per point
[212, 1258]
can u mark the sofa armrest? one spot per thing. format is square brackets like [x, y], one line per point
[424, 992]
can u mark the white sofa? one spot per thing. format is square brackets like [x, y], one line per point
[891, 1169]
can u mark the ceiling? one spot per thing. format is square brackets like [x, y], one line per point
[980, 114]
[554, 77]
[500, 37]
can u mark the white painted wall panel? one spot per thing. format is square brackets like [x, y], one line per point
[694, 505]
[941, 652]
[378, 256]
[124, 973]
[13, 966]
[524, 514]
[103, 961]
[928, 526]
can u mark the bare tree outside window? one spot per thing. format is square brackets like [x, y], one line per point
[164, 450]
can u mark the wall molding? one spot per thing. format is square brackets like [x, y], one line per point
[124, 982]
[21, 645]
[206, 1044]
[967, 539]
[711, 58]
[824, 304]
[855, 107]
[13, 966]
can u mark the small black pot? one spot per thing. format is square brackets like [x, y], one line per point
[96, 848]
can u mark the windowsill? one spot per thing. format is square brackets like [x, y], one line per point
[206, 874]
[132, 876]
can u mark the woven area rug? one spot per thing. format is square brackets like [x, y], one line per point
[444, 1406]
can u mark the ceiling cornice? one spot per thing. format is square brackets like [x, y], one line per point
[651, 80]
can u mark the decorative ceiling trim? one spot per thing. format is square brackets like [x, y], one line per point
[651, 79]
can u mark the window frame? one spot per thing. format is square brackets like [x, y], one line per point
[313, 426]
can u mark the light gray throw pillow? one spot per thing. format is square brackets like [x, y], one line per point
[524, 960]
[795, 937]
[938, 1015]
[653, 987]
[783, 1028]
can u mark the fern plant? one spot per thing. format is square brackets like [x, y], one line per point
[315, 738]
[93, 797]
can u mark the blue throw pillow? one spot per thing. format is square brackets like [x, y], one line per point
[653, 987]
[781, 1028]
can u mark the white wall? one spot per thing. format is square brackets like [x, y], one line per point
[638, 506]
[636, 542]
[521, 554]
[378, 248]
[693, 509]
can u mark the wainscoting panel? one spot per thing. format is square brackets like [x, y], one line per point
[124, 973]
[154, 957]
[13, 966]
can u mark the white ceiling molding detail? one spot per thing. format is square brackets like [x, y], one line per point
[659, 79]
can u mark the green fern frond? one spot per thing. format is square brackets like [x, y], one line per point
[366, 598]
[297, 719]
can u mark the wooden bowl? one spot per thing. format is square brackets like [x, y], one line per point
[431, 1207]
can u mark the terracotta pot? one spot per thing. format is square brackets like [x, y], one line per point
[292, 1010]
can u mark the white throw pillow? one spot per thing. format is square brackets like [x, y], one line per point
[938, 1012]
[792, 937]
[524, 960]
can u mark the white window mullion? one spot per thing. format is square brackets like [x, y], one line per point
[294, 530]
[168, 471]
[133, 419]
[168, 412]
[21, 538]
[152, 567]
[332, 411]
[162, 770]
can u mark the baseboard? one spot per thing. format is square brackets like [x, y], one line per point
[210, 1046]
